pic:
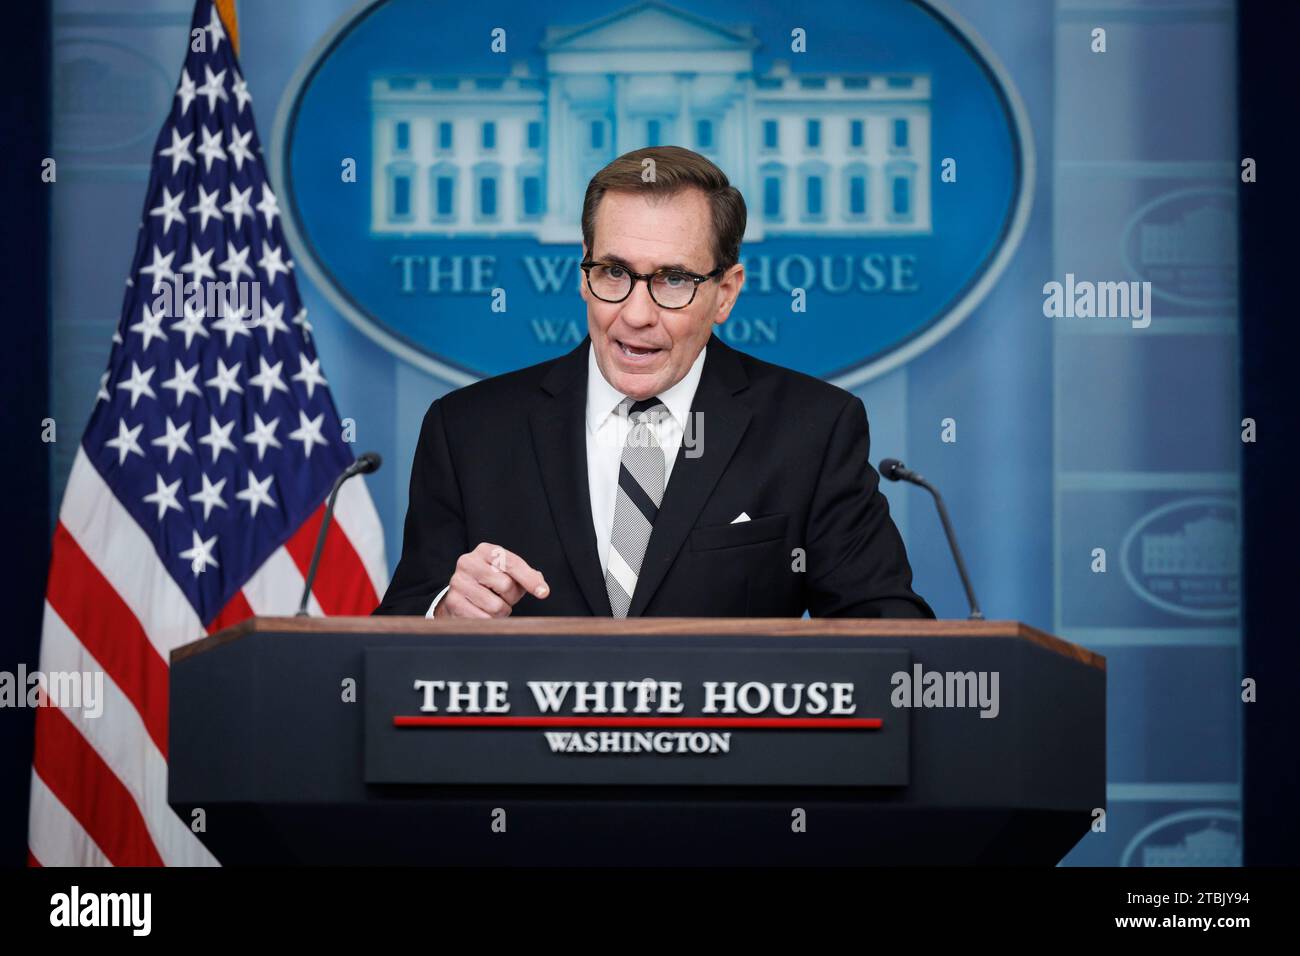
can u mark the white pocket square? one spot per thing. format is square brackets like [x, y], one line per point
[739, 518]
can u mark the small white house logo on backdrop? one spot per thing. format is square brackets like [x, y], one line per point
[1188, 838]
[1185, 243]
[1183, 557]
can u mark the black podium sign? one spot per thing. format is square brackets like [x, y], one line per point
[470, 714]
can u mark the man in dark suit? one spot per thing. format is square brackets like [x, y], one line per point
[653, 470]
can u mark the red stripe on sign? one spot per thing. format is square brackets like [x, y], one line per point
[342, 585]
[745, 723]
[87, 786]
[108, 629]
[237, 609]
[32, 861]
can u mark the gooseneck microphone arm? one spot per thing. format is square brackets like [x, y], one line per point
[364, 465]
[895, 470]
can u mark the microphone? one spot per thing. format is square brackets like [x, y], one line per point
[364, 465]
[895, 470]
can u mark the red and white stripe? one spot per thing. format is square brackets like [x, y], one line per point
[99, 784]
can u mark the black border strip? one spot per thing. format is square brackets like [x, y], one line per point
[1269, 211]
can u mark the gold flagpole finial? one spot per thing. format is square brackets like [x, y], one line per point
[226, 9]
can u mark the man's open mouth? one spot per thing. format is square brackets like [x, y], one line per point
[635, 351]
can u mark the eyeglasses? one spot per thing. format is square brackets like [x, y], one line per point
[670, 288]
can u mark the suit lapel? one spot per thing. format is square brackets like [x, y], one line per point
[724, 419]
[559, 440]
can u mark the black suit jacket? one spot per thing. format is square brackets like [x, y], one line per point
[505, 461]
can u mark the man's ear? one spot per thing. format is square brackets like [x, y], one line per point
[582, 276]
[729, 285]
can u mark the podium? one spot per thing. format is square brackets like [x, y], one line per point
[647, 741]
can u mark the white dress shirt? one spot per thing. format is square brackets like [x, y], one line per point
[606, 435]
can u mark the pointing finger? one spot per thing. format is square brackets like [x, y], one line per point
[529, 578]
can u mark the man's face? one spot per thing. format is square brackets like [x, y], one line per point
[642, 349]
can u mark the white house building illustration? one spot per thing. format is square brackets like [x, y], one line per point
[844, 154]
[1200, 237]
[1206, 847]
[1206, 546]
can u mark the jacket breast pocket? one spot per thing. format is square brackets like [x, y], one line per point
[754, 531]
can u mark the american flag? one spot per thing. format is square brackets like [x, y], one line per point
[198, 487]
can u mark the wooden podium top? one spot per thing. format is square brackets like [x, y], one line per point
[738, 626]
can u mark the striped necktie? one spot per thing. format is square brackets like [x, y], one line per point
[640, 492]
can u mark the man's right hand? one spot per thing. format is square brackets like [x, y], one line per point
[488, 582]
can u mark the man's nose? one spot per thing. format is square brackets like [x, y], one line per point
[639, 308]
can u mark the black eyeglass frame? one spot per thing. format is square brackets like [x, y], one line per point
[695, 277]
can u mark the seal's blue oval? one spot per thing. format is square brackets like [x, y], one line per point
[881, 149]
